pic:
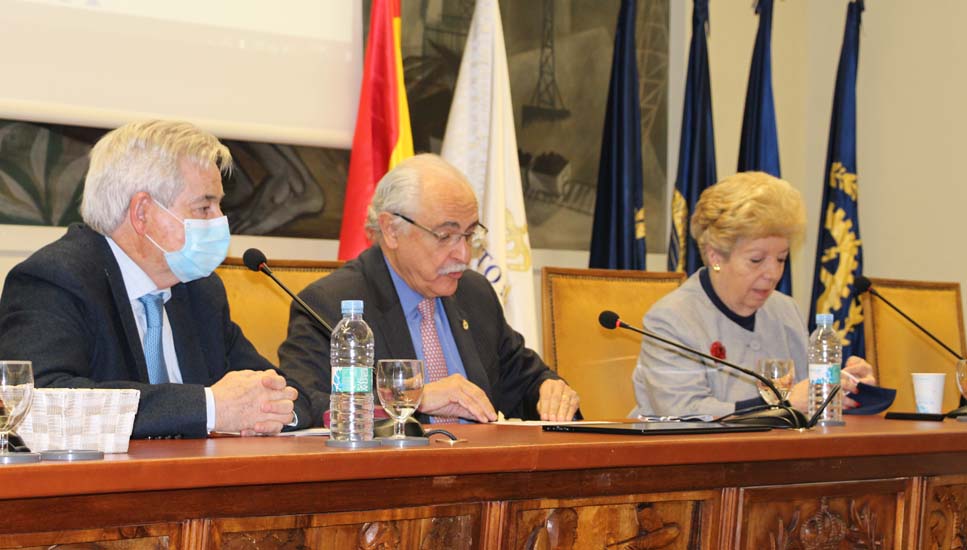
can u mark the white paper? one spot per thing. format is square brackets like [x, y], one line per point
[518, 422]
[305, 432]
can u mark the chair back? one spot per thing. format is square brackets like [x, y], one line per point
[896, 348]
[259, 306]
[596, 362]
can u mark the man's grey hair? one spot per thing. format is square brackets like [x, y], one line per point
[399, 190]
[144, 156]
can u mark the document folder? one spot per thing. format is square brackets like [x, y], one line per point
[656, 428]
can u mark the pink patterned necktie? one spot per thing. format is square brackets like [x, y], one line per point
[436, 364]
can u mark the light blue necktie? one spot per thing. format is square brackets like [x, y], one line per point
[153, 352]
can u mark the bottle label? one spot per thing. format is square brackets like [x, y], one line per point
[352, 380]
[823, 373]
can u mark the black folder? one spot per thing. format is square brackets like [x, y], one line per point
[655, 428]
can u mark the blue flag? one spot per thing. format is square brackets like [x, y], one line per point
[696, 156]
[839, 254]
[759, 147]
[618, 234]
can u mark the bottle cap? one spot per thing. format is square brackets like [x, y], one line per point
[352, 306]
[822, 319]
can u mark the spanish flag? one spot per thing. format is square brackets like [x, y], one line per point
[383, 137]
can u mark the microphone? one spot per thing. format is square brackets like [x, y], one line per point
[255, 260]
[863, 284]
[777, 416]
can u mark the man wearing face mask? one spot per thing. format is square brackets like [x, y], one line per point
[128, 300]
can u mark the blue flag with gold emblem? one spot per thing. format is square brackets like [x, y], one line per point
[696, 154]
[618, 233]
[759, 146]
[839, 254]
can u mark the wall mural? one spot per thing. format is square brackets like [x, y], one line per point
[42, 171]
[277, 190]
[559, 55]
[559, 58]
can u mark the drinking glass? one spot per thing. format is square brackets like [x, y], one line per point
[16, 391]
[779, 372]
[399, 385]
[961, 413]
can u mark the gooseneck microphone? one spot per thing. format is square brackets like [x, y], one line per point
[255, 260]
[781, 415]
[863, 284]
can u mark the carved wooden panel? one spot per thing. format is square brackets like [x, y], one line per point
[423, 528]
[865, 515]
[673, 521]
[944, 522]
[157, 536]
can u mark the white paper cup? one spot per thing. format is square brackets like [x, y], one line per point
[928, 391]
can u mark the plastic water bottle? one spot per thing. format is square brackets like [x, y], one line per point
[351, 358]
[825, 359]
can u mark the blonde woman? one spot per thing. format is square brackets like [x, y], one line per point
[743, 226]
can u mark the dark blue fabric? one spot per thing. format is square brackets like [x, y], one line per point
[759, 145]
[746, 322]
[618, 233]
[696, 154]
[839, 255]
[871, 399]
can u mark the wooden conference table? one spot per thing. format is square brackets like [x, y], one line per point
[872, 484]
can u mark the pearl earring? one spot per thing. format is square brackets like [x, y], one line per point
[716, 268]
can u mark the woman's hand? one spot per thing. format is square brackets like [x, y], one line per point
[856, 370]
[799, 395]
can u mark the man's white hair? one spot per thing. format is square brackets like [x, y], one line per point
[144, 156]
[400, 189]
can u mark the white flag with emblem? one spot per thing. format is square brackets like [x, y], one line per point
[481, 143]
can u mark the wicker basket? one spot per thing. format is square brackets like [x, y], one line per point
[92, 419]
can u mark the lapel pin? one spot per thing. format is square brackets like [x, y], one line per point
[466, 325]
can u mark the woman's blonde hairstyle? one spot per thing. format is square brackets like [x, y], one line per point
[747, 205]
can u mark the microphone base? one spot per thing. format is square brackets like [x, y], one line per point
[406, 441]
[773, 417]
[960, 414]
[363, 444]
[828, 423]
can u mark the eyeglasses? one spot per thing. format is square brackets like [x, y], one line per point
[475, 236]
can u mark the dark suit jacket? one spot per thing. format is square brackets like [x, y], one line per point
[66, 309]
[493, 353]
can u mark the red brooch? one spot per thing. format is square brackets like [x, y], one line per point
[717, 350]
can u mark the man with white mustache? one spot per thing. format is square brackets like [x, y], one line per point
[421, 300]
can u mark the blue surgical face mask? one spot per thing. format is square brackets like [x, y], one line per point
[206, 245]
